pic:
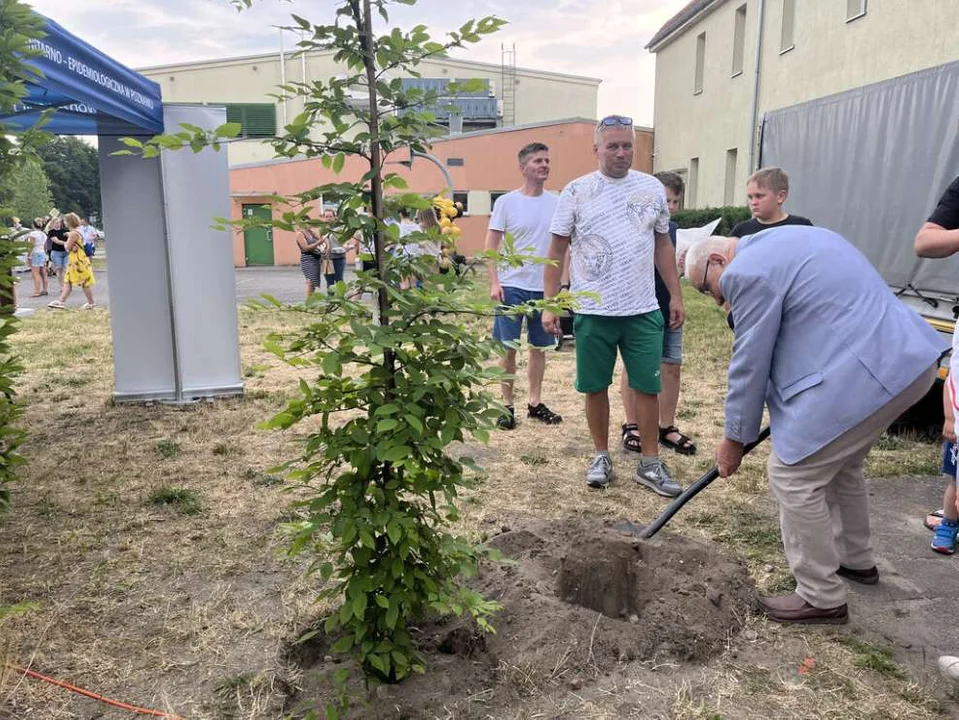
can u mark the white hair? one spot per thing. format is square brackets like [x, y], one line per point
[698, 254]
[600, 129]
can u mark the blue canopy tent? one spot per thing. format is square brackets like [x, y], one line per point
[93, 93]
[172, 286]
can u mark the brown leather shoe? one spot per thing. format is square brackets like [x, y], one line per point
[793, 609]
[869, 576]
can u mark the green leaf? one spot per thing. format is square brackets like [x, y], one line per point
[228, 130]
[332, 364]
[338, 161]
[342, 645]
[398, 452]
[392, 615]
[395, 532]
[382, 601]
[359, 606]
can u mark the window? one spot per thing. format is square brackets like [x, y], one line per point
[494, 196]
[462, 197]
[693, 182]
[729, 196]
[700, 63]
[855, 9]
[454, 162]
[786, 41]
[739, 41]
[257, 120]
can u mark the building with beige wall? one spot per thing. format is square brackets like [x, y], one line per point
[482, 165]
[515, 96]
[711, 93]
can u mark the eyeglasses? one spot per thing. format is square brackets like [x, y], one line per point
[611, 120]
[703, 288]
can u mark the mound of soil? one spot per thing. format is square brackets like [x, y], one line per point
[579, 600]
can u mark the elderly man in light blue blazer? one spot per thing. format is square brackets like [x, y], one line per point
[837, 358]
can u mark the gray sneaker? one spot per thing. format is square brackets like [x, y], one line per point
[655, 476]
[600, 471]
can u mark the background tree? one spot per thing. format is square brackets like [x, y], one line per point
[74, 171]
[30, 191]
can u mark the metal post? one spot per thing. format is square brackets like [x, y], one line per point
[286, 120]
[435, 160]
[755, 105]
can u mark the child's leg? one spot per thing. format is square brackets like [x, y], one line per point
[88, 291]
[944, 536]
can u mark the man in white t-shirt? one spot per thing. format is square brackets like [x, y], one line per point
[525, 216]
[615, 221]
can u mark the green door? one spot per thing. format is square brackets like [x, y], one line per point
[258, 242]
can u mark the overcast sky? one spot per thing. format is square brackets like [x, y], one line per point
[598, 38]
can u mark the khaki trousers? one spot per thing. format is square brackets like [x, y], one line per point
[823, 506]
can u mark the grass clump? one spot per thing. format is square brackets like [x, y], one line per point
[183, 500]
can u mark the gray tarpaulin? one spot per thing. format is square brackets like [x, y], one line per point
[871, 164]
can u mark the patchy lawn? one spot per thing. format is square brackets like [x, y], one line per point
[143, 558]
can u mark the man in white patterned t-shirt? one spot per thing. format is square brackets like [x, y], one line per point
[615, 222]
[524, 215]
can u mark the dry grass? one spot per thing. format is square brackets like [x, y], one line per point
[135, 598]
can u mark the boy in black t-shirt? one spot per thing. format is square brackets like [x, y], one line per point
[767, 190]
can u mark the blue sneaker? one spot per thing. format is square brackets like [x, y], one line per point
[944, 538]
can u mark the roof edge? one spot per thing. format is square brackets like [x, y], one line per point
[680, 22]
[447, 138]
[293, 53]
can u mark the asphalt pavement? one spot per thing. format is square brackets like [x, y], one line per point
[285, 283]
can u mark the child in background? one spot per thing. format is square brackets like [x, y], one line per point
[766, 191]
[38, 258]
[944, 534]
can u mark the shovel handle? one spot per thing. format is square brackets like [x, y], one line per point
[694, 489]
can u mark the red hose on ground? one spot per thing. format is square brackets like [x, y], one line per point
[87, 693]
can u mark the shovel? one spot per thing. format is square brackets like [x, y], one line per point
[684, 498]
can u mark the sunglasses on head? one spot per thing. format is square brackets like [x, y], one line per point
[611, 120]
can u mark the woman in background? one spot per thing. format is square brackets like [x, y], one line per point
[79, 268]
[310, 257]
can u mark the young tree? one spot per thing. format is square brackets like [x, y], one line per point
[396, 384]
[18, 25]
[30, 191]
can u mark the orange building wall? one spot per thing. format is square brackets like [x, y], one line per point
[489, 165]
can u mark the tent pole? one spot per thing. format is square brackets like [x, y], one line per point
[171, 302]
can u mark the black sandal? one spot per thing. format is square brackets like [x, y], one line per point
[685, 445]
[631, 441]
[543, 414]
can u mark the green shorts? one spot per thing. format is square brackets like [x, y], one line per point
[640, 342]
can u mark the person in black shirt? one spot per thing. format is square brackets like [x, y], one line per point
[766, 191]
[939, 238]
[671, 367]
[939, 235]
